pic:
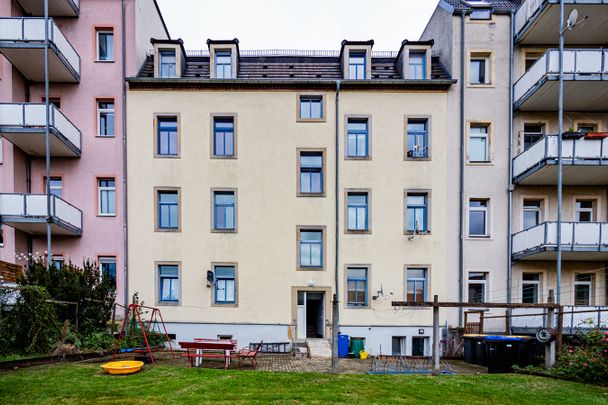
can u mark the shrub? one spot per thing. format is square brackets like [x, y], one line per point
[99, 341]
[586, 358]
[34, 324]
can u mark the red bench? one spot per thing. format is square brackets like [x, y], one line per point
[209, 349]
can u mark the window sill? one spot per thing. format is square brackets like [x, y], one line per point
[169, 303]
[308, 195]
[213, 230]
[104, 61]
[220, 157]
[167, 156]
[480, 238]
[168, 230]
[226, 305]
[310, 269]
[357, 158]
[480, 85]
[488, 163]
[351, 306]
[106, 215]
[414, 159]
[422, 233]
[358, 231]
[105, 136]
[317, 120]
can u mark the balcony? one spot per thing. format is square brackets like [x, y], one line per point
[537, 22]
[585, 82]
[27, 213]
[22, 43]
[580, 241]
[57, 8]
[23, 124]
[585, 162]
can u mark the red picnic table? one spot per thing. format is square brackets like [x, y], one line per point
[208, 348]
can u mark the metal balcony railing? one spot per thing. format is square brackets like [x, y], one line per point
[32, 207]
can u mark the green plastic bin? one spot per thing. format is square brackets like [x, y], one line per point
[356, 345]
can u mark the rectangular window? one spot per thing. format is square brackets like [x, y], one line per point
[479, 70]
[167, 64]
[106, 189]
[481, 14]
[530, 287]
[55, 186]
[417, 65]
[478, 218]
[105, 45]
[167, 137]
[479, 144]
[357, 138]
[356, 65]
[532, 213]
[224, 203]
[57, 261]
[107, 269]
[417, 212]
[398, 345]
[105, 118]
[223, 64]
[225, 285]
[169, 282]
[583, 286]
[168, 209]
[586, 128]
[416, 284]
[311, 248]
[417, 138]
[223, 136]
[585, 211]
[311, 107]
[356, 284]
[358, 211]
[532, 134]
[477, 287]
[311, 173]
[54, 101]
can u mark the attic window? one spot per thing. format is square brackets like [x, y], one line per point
[481, 13]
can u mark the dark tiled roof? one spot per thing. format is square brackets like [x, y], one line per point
[499, 5]
[292, 67]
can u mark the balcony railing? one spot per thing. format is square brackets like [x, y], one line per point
[576, 237]
[16, 208]
[580, 151]
[28, 32]
[579, 64]
[525, 12]
[26, 117]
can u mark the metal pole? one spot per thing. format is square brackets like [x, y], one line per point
[47, 140]
[435, 336]
[560, 130]
[336, 298]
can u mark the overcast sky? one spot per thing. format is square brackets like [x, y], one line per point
[296, 24]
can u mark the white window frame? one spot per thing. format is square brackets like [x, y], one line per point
[483, 282]
[100, 190]
[106, 259]
[487, 60]
[537, 283]
[578, 211]
[97, 33]
[486, 211]
[525, 209]
[101, 111]
[479, 135]
[52, 187]
[587, 283]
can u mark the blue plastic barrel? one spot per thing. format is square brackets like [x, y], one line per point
[343, 345]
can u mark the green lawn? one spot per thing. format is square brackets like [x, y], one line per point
[80, 384]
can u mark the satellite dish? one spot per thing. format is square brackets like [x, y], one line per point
[572, 18]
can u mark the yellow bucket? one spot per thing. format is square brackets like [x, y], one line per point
[363, 354]
[122, 367]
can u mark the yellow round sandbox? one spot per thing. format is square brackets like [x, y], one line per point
[122, 367]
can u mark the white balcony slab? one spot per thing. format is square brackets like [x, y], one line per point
[22, 43]
[28, 213]
[57, 8]
[23, 124]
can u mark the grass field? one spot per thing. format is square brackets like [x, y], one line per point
[85, 384]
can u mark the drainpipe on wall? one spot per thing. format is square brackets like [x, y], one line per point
[335, 302]
[124, 156]
[461, 185]
[510, 181]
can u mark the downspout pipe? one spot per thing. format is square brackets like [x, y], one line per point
[510, 181]
[335, 302]
[124, 156]
[47, 138]
[560, 131]
[461, 183]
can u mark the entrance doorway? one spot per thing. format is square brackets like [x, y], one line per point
[311, 315]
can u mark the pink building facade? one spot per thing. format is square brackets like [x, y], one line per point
[86, 70]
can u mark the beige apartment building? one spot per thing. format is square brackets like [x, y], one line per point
[257, 180]
[505, 58]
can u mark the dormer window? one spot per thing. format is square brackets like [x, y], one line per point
[481, 14]
[223, 64]
[167, 63]
[417, 65]
[356, 65]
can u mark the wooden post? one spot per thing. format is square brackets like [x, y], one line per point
[436, 337]
[507, 323]
[481, 316]
[560, 330]
[550, 347]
